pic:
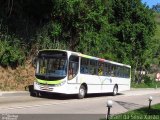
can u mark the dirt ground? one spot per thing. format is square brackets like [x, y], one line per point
[16, 79]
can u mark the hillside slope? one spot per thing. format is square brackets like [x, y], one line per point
[16, 79]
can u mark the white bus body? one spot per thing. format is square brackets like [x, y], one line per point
[79, 74]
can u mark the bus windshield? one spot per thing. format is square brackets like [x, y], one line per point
[51, 65]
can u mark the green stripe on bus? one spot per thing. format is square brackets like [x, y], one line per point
[49, 82]
[86, 56]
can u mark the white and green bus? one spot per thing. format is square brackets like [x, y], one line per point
[67, 72]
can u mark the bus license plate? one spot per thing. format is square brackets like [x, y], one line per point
[44, 87]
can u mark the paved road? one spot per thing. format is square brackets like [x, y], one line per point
[59, 108]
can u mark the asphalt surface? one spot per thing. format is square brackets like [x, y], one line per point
[21, 106]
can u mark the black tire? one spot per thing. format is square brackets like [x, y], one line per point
[82, 92]
[115, 90]
[43, 94]
[34, 94]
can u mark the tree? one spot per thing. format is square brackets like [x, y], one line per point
[135, 27]
[119, 30]
[156, 7]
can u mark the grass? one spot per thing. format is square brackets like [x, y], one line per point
[149, 85]
[155, 110]
[139, 114]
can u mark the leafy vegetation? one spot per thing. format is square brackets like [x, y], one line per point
[151, 84]
[116, 30]
[10, 52]
[156, 7]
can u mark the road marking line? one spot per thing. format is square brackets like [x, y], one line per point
[39, 105]
[30, 106]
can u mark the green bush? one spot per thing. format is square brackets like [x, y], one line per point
[47, 37]
[148, 81]
[10, 52]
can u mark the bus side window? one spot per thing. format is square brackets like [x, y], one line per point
[112, 69]
[126, 72]
[121, 72]
[73, 67]
[116, 71]
[100, 68]
[93, 67]
[84, 68]
[107, 69]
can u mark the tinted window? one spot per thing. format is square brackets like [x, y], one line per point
[100, 68]
[84, 66]
[93, 67]
[73, 67]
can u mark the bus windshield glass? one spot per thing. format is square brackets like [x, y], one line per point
[51, 65]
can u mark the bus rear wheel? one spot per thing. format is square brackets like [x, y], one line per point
[82, 92]
[115, 90]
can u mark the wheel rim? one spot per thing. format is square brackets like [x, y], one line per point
[82, 92]
[115, 90]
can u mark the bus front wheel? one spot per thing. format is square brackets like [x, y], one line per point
[82, 92]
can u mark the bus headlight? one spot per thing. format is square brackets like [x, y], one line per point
[60, 84]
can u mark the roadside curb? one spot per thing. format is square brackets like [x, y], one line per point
[14, 93]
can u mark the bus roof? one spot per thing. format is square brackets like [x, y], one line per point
[87, 56]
